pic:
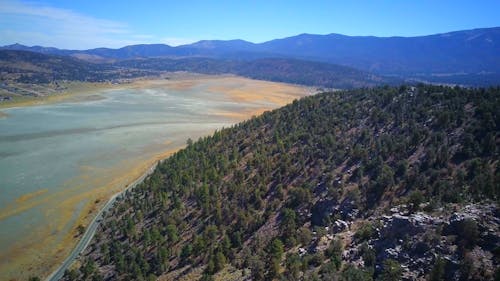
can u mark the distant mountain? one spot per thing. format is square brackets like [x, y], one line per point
[223, 45]
[470, 51]
[311, 73]
[25, 66]
[271, 69]
[37, 49]
[31, 67]
[234, 49]
[133, 51]
[447, 58]
[143, 50]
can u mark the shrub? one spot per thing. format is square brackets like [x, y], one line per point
[391, 271]
[468, 233]
[352, 273]
[414, 200]
[365, 232]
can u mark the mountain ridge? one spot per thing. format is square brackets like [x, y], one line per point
[473, 51]
[444, 34]
[19, 66]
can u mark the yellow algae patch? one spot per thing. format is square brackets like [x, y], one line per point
[84, 98]
[247, 90]
[75, 91]
[31, 195]
[3, 114]
[100, 195]
[242, 89]
[177, 83]
[21, 206]
[237, 88]
[182, 85]
[259, 95]
[240, 116]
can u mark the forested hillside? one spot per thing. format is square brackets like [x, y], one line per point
[37, 68]
[383, 183]
[270, 69]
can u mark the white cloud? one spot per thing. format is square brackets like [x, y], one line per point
[34, 24]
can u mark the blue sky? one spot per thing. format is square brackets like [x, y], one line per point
[83, 24]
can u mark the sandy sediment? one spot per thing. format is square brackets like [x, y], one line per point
[238, 88]
[246, 90]
[30, 195]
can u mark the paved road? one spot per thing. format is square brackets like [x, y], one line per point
[90, 231]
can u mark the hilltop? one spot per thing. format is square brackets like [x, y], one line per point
[384, 183]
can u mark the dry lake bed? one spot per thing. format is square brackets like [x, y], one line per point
[60, 162]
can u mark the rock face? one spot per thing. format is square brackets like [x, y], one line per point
[418, 241]
[324, 211]
[348, 210]
[321, 212]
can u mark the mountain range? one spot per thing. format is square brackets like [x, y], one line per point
[18, 66]
[446, 57]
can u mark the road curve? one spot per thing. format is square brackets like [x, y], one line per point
[90, 231]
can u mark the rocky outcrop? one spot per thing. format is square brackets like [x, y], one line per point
[417, 241]
[325, 211]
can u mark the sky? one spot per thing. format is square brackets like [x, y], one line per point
[84, 24]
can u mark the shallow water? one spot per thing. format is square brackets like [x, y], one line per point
[56, 159]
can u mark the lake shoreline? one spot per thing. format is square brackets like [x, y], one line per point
[76, 91]
[85, 91]
[206, 103]
[91, 212]
[84, 240]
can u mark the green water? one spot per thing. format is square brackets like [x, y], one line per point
[74, 147]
